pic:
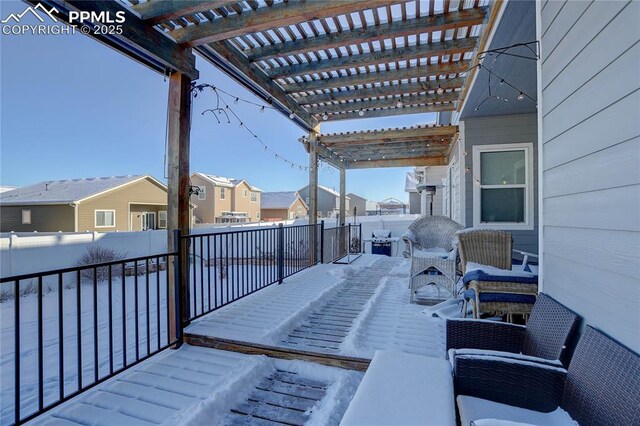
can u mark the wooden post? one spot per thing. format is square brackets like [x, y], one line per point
[313, 189]
[178, 215]
[343, 196]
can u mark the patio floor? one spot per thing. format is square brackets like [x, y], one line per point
[348, 310]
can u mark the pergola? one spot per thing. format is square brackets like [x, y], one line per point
[314, 61]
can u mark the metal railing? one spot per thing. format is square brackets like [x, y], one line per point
[74, 328]
[341, 241]
[227, 266]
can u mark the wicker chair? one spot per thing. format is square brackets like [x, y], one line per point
[600, 387]
[429, 244]
[499, 296]
[548, 334]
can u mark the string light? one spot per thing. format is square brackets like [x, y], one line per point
[399, 104]
[440, 90]
[361, 112]
[325, 117]
[521, 96]
[220, 110]
[292, 115]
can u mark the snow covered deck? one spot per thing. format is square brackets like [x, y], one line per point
[349, 310]
[343, 310]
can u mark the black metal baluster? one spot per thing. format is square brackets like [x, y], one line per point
[17, 356]
[110, 302]
[40, 348]
[124, 318]
[209, 270]
[194, 276]
[79, 327]
[201, 275]
[135, 310]
[168, 295]
[95, 324]
[215, 272]
[226, 265]
[147, 305]
[158, 301]
[60, 339]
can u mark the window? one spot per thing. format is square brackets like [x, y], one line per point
[306, 200]
[503, 186]
[258, 215]
[222, 194]
[202, 192]
[299, 210]
[105, 218]
[162, 219]
[26, 217]
[244, 192]
[254, 196]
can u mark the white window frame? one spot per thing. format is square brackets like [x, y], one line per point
[223, 194]
[528, 223]
[254, 197]
[26, 217]
[95, 218]
[202, 193]
[162, 217]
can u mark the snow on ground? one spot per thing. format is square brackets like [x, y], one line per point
[387, 321]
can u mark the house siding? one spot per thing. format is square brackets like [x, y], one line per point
[590, 84]
[51, 218]
[512, 129]
[359, 203]
[326, 202]
[140, 192]
[244, 204]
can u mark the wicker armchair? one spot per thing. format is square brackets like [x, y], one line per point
[429, 244]
[548, 334]
[600, 387]
[500, 296]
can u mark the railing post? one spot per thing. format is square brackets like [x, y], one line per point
[322, 241]
[177, 248]
[280, 253]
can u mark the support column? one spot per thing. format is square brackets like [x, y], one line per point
[343, 196]
[313, 192]
[178, 214]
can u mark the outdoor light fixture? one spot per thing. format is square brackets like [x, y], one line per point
[521, 96]
[440, 90]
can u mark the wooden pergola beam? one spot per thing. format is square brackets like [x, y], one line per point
[380, 91]
[389, 135]
[157, 11]
[413, 147]
[422, 109]
[368, 78]
[399, 162]
[229, 53]
[138, 37]
[383, 103]
[448, 47]
[441, 22]
[265, 18]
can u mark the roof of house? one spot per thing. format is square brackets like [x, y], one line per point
[352, 195]
[226, 182]
[279, 200]
[7, 188]
[68, 190]
[324, 188]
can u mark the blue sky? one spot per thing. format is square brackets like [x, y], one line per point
[71, 107]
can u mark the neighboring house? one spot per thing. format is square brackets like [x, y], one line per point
[419, 200]
[328, 201]
[276, 206]
[120, 203]
[391, 206]
[372, 208]
[225, 200]
[357, 202]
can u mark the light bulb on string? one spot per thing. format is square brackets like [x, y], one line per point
[325, 117]
[399, 104]
[262, 109]
[236, 101]
[361, 113]
[292, 115]
[521, 96]
[440, 90]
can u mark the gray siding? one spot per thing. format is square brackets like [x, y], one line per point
[591, 161]
[414, 203]
[326, 201]
[51, 218]
[503, 130]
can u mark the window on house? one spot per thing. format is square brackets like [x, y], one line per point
[162, 219]
[26, 217]
[258, 215]
[254, 196]
[202, 193]
[105, 218]
[306, 200]
[503, 186]
[222, 193]
[299, 210]
[244, 192]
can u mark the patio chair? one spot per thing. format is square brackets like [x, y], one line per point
[493, 284]
[601, 386]
[429, 243]
[548, 334]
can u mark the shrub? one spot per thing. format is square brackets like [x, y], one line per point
[96, 254]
